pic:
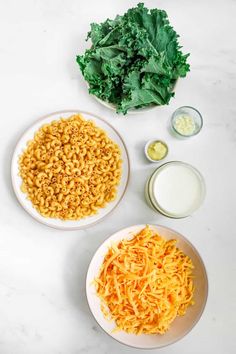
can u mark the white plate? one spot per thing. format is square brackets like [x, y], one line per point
[181, 325]
[69, 224]
[130, 111]
[112, 106]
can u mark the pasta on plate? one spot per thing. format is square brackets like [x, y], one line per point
[70, 169]
[144, 283]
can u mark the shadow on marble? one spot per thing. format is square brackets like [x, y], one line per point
[6, 161]
[76, 46]
[77, 263]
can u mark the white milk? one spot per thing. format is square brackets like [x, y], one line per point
[178, 189]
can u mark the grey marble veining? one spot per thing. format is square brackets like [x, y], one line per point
[43, 307]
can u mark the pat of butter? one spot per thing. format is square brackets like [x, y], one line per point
[157, 150]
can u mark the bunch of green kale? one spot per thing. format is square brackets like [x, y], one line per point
[134, 60]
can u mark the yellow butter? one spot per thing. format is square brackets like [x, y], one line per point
[157, 150]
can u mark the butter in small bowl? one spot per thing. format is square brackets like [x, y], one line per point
[156, 150]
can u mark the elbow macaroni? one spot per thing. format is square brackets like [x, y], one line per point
[70, 169]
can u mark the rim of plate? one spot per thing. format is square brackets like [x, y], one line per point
[16, 190]
[204, 270]
[132, 111]
[197, 173]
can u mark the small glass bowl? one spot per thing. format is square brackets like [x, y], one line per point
[155, 141]
[189, 111]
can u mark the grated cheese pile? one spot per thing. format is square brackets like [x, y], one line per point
[144, 283]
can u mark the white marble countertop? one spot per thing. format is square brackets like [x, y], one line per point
[43, 307]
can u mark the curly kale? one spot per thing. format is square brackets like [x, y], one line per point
[134, 60]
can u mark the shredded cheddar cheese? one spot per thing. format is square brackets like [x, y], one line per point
[144, 283]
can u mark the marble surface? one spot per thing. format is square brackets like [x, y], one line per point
[43, 308]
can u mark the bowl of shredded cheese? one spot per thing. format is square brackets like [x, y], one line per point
[147, 286]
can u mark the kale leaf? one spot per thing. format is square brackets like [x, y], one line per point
[134, 60]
